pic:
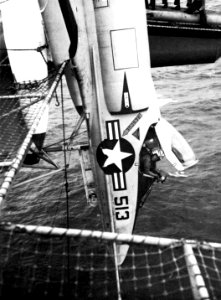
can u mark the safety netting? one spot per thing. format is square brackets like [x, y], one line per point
[21, 109]
[40, 261]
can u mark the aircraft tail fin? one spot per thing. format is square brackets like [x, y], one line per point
[175, 147]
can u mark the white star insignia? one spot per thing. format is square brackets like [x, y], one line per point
[115, 156]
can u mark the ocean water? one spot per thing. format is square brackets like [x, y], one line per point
[181, 207]
[189, 207]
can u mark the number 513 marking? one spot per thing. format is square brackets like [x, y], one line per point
[121, 208]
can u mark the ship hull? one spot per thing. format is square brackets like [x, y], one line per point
[182, 45]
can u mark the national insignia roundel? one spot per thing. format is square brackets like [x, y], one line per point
[115, 156]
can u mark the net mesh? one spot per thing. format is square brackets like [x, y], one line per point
[81, 266]
[21, 106]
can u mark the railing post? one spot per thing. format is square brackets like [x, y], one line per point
[196, 279]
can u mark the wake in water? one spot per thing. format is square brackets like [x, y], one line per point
[164, 101]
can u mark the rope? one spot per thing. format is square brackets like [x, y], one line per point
[66, 186]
